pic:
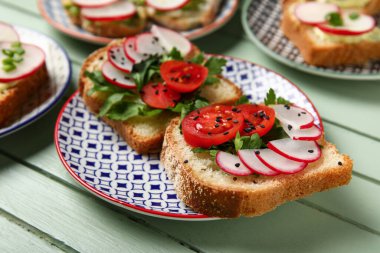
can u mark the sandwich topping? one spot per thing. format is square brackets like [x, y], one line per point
[268, 139]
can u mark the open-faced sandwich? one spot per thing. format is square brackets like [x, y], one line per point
[245, 160]
[332, 33]
[22, 73]
[137, 85]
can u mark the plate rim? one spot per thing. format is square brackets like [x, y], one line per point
[205, 30]
[16, 127]
[141, 210]
[305, 68]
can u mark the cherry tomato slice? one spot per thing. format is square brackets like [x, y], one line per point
[257, 119]
[159, 96]
[211, 125]
[183, 76]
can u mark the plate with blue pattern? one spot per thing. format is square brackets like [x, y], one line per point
[101, 161]
[54, 13]
[59, 68]
[261, 21]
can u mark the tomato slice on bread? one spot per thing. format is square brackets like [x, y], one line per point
[257, 119]
[158, 95]
[183, 76]
[211, 125]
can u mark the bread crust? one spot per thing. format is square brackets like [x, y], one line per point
[327, 54]
[230, 202]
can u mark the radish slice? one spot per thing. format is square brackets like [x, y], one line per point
[33, 59]
[278, 162]
[148, 44]
[170, 39]
[167, 5]
[118, 59]
[93, 3]
[8, 33]
[117, 11]
[314, 13]
[231, 164]
[249, 159]
[309, 134]
[130, 51]
[300, 151]
[116, 76]
[297, 117]
[363, 24]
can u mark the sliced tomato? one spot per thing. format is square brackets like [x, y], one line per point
[211, 125]
[183, 76]
[257, 119]
[158, 95]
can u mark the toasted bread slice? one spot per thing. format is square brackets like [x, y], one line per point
[145, 134]
[328, 51]
[372, 7]
[18, 93]
[200, 184]
[184, 20]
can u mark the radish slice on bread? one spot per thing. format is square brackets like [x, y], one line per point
[249, 159]
[117, 11]
[118, 59]
[93, 3]
[231, 164]
[309, 134]
[170, 39]
[295, 116]
[130, 51]
[301, 151]
[33, 59]
[167, 5]
[8, 33]
[314, 13]
[116, 76]
[278, 162]
[148, 44]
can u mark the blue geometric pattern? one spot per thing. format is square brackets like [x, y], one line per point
[59, 68]
[103, 161]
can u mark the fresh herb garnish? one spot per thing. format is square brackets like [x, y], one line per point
[334, 19]
[242, 100]
[248, 142]
[215, 67]
[272, 99]
[354, 16]
[14, 57]
[189, 105]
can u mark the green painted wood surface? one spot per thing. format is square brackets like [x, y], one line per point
[36, 190]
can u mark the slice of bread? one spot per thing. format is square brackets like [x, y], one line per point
[184, 20]
[18, 94]
[372, 7]
[146, 134]
[200, 184]
[316, 50]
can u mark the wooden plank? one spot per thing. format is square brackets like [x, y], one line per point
[78, 220]
[16, 239]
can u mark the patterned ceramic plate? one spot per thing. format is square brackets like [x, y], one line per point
[59, 68]
[53, 12]
[261, 21]
[103, 163]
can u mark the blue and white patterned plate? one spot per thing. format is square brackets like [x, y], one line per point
[59, 69]
[261, 22]
[55, 15]
[105, 165]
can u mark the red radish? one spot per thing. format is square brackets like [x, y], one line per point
[314, 13]
[167, 5]
[93, 3]
[278, 162]
[300, 151]
[309, 134]
[170, 39]
[130, 51]
[148, 44]
[118, 59]
[363, 24]
[8, 33]
[118, 11]
[116, 76]
[33, 59]
[249, 159]
[231, 164]
[297, 117]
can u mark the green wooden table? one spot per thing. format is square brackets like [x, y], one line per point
[42, 209]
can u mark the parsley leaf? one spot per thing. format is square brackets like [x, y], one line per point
[144, 71]
[247, 142]
[242, 100]
[354, 15]
[334, 19]
[175, 54]
[272, 99]
[198, 59]
[187, 106]
[100, 84]
[215, 67]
